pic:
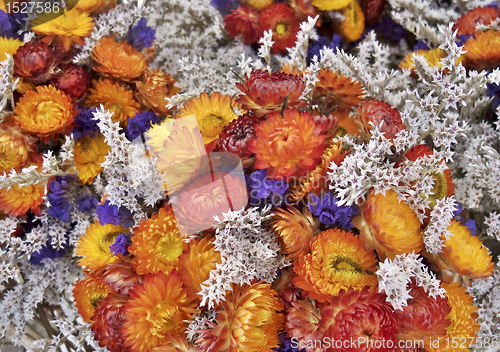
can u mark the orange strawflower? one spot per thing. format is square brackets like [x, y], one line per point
[346, 122]
[463, 254]
[154, 88]
[15, 147]
[362, 317]
[45, 112]
[334, 90]
[157, 244]
[295, 231]
[118, 59]
[287, 144]
[337, 261]
[389, 226]
[265, 93]
[463, 325]
[466, 24]
[212, 113]
[424, 317]
[197, 262]
[17, 201]
[483, 51]
[90, 153]
[250, 321]
[87, 293]
[117, 99]
[178, 148]
[93, 246]
[156, 310]
[9, 46]
[69, 28]
[353, 25]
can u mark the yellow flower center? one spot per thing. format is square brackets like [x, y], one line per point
[46, 111]
[107, 240]
[169, 249]
[281, 28]
[345, 263]
[96, 298]
[162, 319]
[212, 125]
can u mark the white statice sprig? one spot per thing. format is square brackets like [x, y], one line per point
[131, 175]
[440, 219]
[394, 276]
[264, 51]
[7, 84]
[249, 250]
[297, 55]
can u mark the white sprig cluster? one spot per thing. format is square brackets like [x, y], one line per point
[48, 283]
[248, 250]
[367, 167]
[421, 17]
[197, 74]
[493, 225]
[372, 68]
[486, 294]
[297, 55]
[115, 22]
[7, 84]
[395, 275]
[193, 45]
[440, 219]
[130, 174]
[199, 322]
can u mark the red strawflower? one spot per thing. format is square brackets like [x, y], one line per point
[424, 318]
[107, 321]
[303, 9]
[280, 18]
[244, 22]
[264, 92]
[466, 24]
[72, 80]
[377, 111]
[35, 62]
[359, 316]
[372, 10]
[235, 137]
